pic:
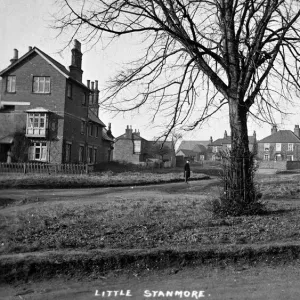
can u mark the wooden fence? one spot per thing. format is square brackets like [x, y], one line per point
[30, 168]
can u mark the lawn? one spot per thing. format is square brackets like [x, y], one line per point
[171, 216]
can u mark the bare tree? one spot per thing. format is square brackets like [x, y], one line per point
[244, 53]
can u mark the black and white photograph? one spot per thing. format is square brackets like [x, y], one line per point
[149, 149]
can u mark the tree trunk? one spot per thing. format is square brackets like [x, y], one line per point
[240, 185]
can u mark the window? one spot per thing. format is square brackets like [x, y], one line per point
[68, 152]
[266, 157]
[83, 99]
[278, 157]
[96, 131]
[91, 99]
[38, 151]
[82, 126]
[290, 147]
[36, 124]
[91, 129]
[215, 149]
[11, 84]
[41, 85]
[7, 108]
[81, 153]
[69, 90]
[90, 155]
[228, 146]
[290, 157]
[266, 146]
[136, 146]
[278, 147]
[94, 155]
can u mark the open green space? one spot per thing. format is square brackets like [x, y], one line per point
[144, 221]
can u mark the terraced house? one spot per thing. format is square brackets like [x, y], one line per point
[281, 145]
[53, 109]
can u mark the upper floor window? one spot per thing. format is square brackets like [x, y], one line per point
[69, 90]
[84, 99]
[11, 84]
[91, 128]
[290, 147]
[278, 147]
[82, 127]
[96, 131]
[41, 84]
[36, 124]
[137, 146]
[215, 149]
[266, 146]
[81, 153]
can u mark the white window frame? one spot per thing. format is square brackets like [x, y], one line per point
[81, 153]
[266, 146]
[11, 84]
[41, 85]
[266, 157]
[68, 151]
[290, 147]
[38, 151]
[278, 146]
[290, 156]
[137, 146]
[37, 123]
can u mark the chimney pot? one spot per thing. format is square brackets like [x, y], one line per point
[77, 45]
[15, 57]
[92, 88]
[96, 84]
[297, 131]
[88, 83]
[29, 48]
[274, 129]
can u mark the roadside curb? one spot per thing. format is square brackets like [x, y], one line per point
[31, 266]
[102, 185]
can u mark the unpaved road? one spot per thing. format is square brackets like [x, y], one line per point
[238, 282]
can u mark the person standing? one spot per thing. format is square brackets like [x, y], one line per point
[187, 171]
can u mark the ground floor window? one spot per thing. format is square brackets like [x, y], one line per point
[266, 157]
[38, 151]
[89, 155]
[81, 153]
[95, 155]
[68, 152]
[290, 157]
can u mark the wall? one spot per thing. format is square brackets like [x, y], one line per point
[279, 165]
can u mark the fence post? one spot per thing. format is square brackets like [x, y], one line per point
[24, 168]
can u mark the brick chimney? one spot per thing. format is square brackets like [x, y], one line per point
[75, 67]
[297, 130]
[274, 129]
[16, 56]
[128, 132]
[211, 140]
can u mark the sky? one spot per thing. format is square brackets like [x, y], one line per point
[25, 23]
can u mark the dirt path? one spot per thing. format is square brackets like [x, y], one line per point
[239, 282]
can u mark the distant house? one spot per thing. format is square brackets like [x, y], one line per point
[215, 147]
[131, 147]
[281, 145]
[193, 150]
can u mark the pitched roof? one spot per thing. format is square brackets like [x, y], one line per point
[92, 117]
[189, 145]
[227, 140]
[58, 66]
[281, 136]
[199, 148]
[107, 136]
[186, 152]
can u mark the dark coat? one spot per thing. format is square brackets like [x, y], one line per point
[187, 170]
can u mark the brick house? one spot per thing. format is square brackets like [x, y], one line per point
[281, 145]
[56, 111]
[131, 147]
[215, 147]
